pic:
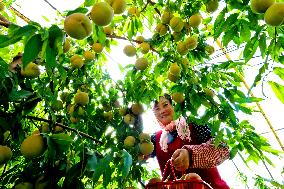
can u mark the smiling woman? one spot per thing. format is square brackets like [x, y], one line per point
[190, 146]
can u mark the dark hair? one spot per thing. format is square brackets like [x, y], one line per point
[167, 96]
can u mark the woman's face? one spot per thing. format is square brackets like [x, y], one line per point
[164, 111]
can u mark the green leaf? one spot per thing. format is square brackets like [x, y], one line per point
[101, 167]
[236, 76]
[51, 148]
[89, 3]
[5, 40]
[12, 29]
[19, 95]
[234, 152]
[17, 35]
[279, 71]
[262, 44]
[218, 24]
[126, 25]
[25, 31]
[107, 175]
[130, 30]
[101, 35]
[127, 162]
[79, 10]
[248, 100]
[50, 57]
[32, 48]
[3, 67]
[244, 109]
[230, 21]
[95, 31]
[250, 48]
[55, 37]
[278, 90]
[45, 18]
[240, 146]
[229, 64]
[30, 105]
[244, 31]
[271, 150]
[261, 71]
[71, 180]
[92, 163]
[228, 36]
[278, 185]
[61, 140]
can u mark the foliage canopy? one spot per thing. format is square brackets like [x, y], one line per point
[84, 134]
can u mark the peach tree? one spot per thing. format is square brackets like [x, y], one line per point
[66, 123]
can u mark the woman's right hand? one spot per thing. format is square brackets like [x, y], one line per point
[180, 159]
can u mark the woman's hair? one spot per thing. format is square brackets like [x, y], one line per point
[167, 96]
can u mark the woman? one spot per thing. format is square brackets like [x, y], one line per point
[190, 146]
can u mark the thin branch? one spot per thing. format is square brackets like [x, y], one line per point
[124, 38]
[23, 17]
[4, 21]
[120, 37]
[65, 127]
[155, 8]
[5, 24]
[83, 158]
[151, 3]
[144, 8]
[142, 184]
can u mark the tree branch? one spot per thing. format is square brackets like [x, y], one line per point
[118, 37]
[155, 8]
[144, 8]
[142, 184]
[4, 21]
[65, 127]
[124, 38]
[26, 19]
[5, 24]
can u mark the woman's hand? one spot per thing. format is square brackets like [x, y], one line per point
[180, 159]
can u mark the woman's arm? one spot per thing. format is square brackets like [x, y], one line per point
[204, 154]
[207, 155]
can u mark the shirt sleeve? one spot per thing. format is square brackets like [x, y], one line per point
[207, 155]
[153, 140]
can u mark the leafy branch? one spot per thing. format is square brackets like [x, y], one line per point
[65, 127]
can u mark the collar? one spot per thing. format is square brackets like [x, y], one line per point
[182, 131]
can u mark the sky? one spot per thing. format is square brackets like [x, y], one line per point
[273, 108]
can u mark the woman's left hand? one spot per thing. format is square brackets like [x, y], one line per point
[180, 159]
